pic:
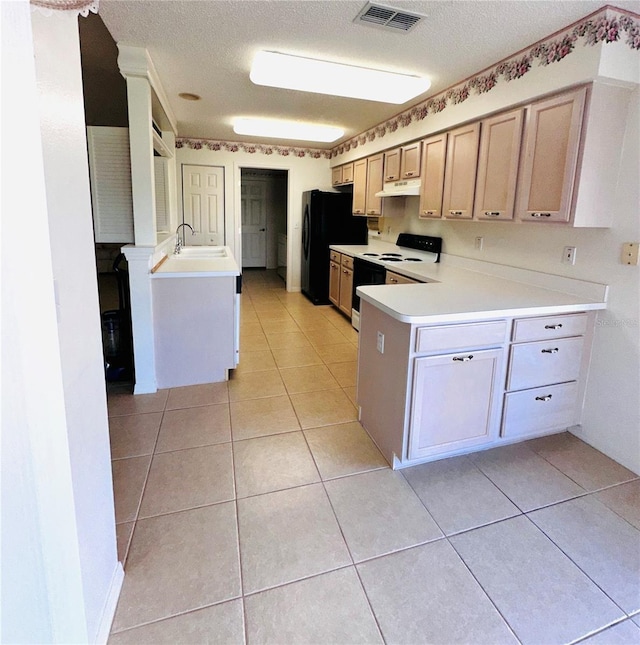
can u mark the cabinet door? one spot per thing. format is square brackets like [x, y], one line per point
[346, 290]
[460, 171]
[359, 186]
[410, 161]
[374, 185]
[336, 176]
[452, 402]
[334, 283]
[500, 140]
[552, 140]
[434, 152]
[347, 173]
[392, 165]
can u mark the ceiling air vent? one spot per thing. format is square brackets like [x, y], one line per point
[379, 15]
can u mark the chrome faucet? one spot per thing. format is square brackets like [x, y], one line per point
[178, 240]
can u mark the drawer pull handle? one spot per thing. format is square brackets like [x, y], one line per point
[553, 350]
[463, 359]
[556, 326]
[390, 177]
[492, 213]
[408, 174]
[455, 212]
[546, 397]
[540, 214]
[393, 281]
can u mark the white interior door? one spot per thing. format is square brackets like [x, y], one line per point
[254, 222]
[203, 204]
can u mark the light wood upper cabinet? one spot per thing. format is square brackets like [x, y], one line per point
[347, 173]
[375, 168]
[460, 172]
[359, 186]
[341, 175]
[552, 141]
[410, 161]
[434, 152]
[392, 165]
[498, 160]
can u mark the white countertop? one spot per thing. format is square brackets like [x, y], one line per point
[456, 294]
[174, 267]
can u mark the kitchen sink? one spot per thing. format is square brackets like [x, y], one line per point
[201, 253]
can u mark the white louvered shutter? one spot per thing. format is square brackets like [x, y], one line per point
[162, 210]
[110, 173]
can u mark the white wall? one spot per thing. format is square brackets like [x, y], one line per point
[305, 173]
[58, 73]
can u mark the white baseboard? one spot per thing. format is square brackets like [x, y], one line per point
[110, 605]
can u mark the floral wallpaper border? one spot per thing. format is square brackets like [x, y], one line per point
[605, 26]
[251, 148]
[81, 7]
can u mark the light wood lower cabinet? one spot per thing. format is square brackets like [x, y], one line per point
[544, 377]
[334, 278]
[429, 391]
[341, 281]
[452, 401]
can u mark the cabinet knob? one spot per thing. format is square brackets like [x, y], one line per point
[556, 326]
[546, 397]
[552, 350]
[492, 213]
[345, 272]
[540, 214]
[409, 174]
[463, 359]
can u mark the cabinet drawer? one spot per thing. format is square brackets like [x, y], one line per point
[526, 329]
[334, 256]
[543, 408]
[347, 262]
[544, 363]
[446, 337]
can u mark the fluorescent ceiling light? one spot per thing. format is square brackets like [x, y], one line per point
[310, 75]
[286, 129]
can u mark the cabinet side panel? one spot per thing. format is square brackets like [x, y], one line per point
[382, 379]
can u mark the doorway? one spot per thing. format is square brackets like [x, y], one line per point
[263, 203]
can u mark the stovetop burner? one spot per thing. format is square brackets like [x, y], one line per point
[413, 260]
[391, 255]
[386, 258]
[371, 255]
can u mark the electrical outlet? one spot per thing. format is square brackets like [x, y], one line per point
[569, 255]
[630, 253]
[380, 344]
[479, 243]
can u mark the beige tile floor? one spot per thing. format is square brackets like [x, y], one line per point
[259, 511]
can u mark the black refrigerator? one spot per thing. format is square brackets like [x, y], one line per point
[326, 219]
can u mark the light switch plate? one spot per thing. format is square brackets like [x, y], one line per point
[630, 253]
[380, 344]
[569, 255]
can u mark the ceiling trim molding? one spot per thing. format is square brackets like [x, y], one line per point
[80, 7]
[607, 25]
[251, 148]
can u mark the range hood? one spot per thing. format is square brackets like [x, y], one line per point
[400, 188]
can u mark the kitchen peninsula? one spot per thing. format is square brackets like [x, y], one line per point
[477, 356]
[196, 306]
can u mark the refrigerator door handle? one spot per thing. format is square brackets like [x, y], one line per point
[305, 232]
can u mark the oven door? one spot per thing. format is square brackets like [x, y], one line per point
[365, 273]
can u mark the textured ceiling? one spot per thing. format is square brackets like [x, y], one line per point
[206, 47]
